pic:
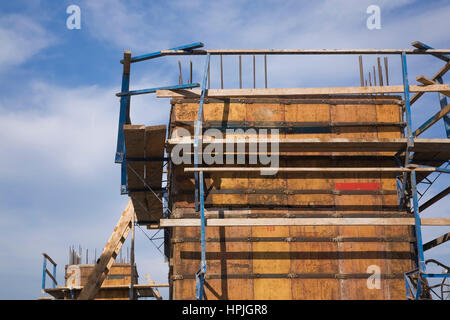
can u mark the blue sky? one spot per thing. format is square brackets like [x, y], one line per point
[58, 111]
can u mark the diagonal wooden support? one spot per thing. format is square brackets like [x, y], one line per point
[155, 291]
[439, 74]
[109, 254]
[427, 81]
[439, 115]
[435, 242]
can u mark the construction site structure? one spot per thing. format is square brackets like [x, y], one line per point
[341, 211]
[339, 218]
[103, 279]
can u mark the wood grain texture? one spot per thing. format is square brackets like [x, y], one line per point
[301, 203]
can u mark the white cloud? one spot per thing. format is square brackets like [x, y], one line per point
[72, 131]
[21, 39]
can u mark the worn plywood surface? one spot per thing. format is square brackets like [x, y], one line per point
[143, 142]
[261, 262]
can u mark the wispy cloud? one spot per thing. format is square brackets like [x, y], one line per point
[21, 39]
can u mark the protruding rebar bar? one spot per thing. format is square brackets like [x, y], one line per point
[221, 72]
[361, 71]
[240, 72]
[265, 71]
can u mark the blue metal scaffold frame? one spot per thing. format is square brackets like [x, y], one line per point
[200, 276]
[420, 273]
[45, 272]
[125, 99]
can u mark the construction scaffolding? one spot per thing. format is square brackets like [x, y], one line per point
[105, 278]
[402, 157]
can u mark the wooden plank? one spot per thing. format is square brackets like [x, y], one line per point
[134, 145]
[330, 145]
[435, 242]
[435, 199]
[155, 137]
[268, 169]
[435, 221]
[427, 81]
[278, 92]
[437, 116]
[305, 222]
[109, 254]
[440, 73]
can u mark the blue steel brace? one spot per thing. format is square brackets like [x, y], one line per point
[198, 129]
[200, 277]
[410, 143]
[157, 54]
[408, 295]
[43, 273]
[410, 138]
[418, 231]
[123, 118]
[442, 98]
[153, 90]
[124, 103]
[125, 94]
[54, 275]
[443, 102]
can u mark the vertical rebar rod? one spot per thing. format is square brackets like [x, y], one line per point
[370, 79]
[265, 71]
[180, 77]
[361, 71]
[221, 72]
[374, 77]
[240, 72]
[190, 71]
[254, 73]
[386, 70]
[380, 72]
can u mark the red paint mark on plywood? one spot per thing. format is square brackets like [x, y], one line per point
[357, 186]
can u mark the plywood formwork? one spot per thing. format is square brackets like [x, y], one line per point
[145, 153]
[114, 287]
[294, 262]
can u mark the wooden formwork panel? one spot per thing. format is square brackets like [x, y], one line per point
[295, 262]
[119, 274]
[279, 269]
[143, 142]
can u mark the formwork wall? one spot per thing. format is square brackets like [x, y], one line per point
[294, 262]
[119, 274]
